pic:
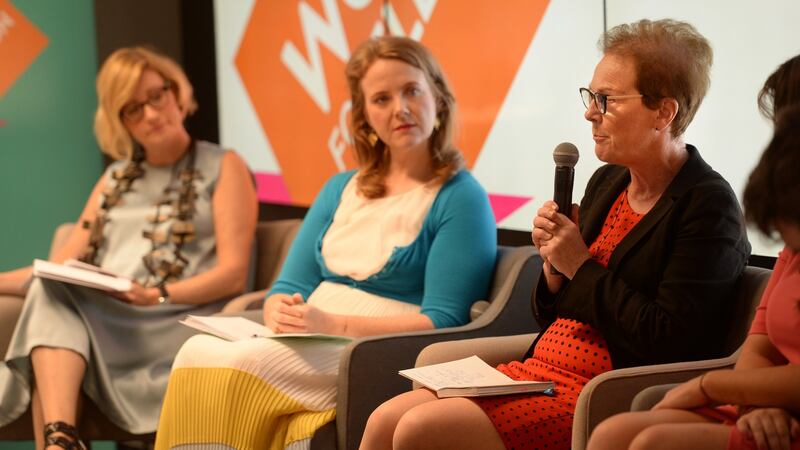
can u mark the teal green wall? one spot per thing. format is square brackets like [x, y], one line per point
[49, 160]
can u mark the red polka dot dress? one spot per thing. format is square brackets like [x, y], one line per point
[569, 353]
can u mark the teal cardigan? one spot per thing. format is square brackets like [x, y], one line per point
[445, 269]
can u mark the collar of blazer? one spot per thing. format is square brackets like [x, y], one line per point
[616, 178]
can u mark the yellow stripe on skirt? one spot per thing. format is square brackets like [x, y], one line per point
[251, 414]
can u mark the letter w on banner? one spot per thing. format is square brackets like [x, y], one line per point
[293, 53]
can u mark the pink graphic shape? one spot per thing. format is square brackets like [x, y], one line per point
[504, 205]
[2, 123]
[271, 188]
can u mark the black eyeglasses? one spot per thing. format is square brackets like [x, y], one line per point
[134, 111]
[601, 100]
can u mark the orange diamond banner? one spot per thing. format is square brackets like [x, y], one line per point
[20, 43]
[293, 53]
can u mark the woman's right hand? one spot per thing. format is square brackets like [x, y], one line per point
[277, 305]
[770, 428]
[559, 240]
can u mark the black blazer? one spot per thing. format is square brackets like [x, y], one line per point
[670, 281]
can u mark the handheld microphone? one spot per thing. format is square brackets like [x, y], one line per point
[565, 156]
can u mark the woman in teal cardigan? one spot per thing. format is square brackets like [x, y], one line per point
[406, 242]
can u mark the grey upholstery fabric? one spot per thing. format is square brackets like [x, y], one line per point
[649, 396]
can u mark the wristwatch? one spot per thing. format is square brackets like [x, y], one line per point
[164, 297]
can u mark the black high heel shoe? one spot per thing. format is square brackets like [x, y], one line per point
[70, 440]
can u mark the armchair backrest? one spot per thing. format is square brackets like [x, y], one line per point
[749, 290]
[504, 277]
[612, 392]
[273, 240]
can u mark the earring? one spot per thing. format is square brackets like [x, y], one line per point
[372, 138]
[436, 124]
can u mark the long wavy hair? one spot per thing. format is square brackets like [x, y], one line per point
[374, 158]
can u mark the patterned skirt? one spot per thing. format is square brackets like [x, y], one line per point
[261, 393]
[569, 353]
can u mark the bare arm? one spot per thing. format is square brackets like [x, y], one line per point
[777, 386]
[15, 282]
[762, 378]
[357, 326]
[235, 209]
[758, 351]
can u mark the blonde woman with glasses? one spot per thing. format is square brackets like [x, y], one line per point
[175, 215]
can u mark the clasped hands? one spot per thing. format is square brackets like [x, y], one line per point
[285, 313]
[559, 240]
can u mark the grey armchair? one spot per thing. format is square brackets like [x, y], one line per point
[613, 391]
[273, 240]
[368, 369]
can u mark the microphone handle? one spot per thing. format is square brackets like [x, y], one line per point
[562, 195]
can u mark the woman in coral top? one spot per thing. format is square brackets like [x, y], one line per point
[762, 394]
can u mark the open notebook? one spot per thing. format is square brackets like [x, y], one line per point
[472, 377]
[239, 328]
[80, 273]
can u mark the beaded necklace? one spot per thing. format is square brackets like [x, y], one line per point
[162, 264]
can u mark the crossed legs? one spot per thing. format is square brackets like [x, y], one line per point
[58, 373]
[659, 430]
[418, 419]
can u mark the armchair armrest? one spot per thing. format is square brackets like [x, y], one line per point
[650, 396]
[250, 300]
[493, 350]
[380, 358]
[368, 368]
[612, 392]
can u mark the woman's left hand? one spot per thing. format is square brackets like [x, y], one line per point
[688, 395]
[771, 428]
[305, 318]
[138, 295]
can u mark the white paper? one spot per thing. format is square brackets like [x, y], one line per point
[471, 377]
[239, 328]
[97, 279]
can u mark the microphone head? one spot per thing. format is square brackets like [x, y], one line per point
[565, 154]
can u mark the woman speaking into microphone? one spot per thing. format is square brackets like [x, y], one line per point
[647, 267]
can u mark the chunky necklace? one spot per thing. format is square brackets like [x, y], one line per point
[162, 264]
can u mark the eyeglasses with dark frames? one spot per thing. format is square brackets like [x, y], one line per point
[601, 100]
[156, 98]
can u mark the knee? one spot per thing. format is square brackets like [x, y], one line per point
[381, 426]
[651, 438]
[383, 420]
[189, 352]
[412, 429]
[611, 433]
